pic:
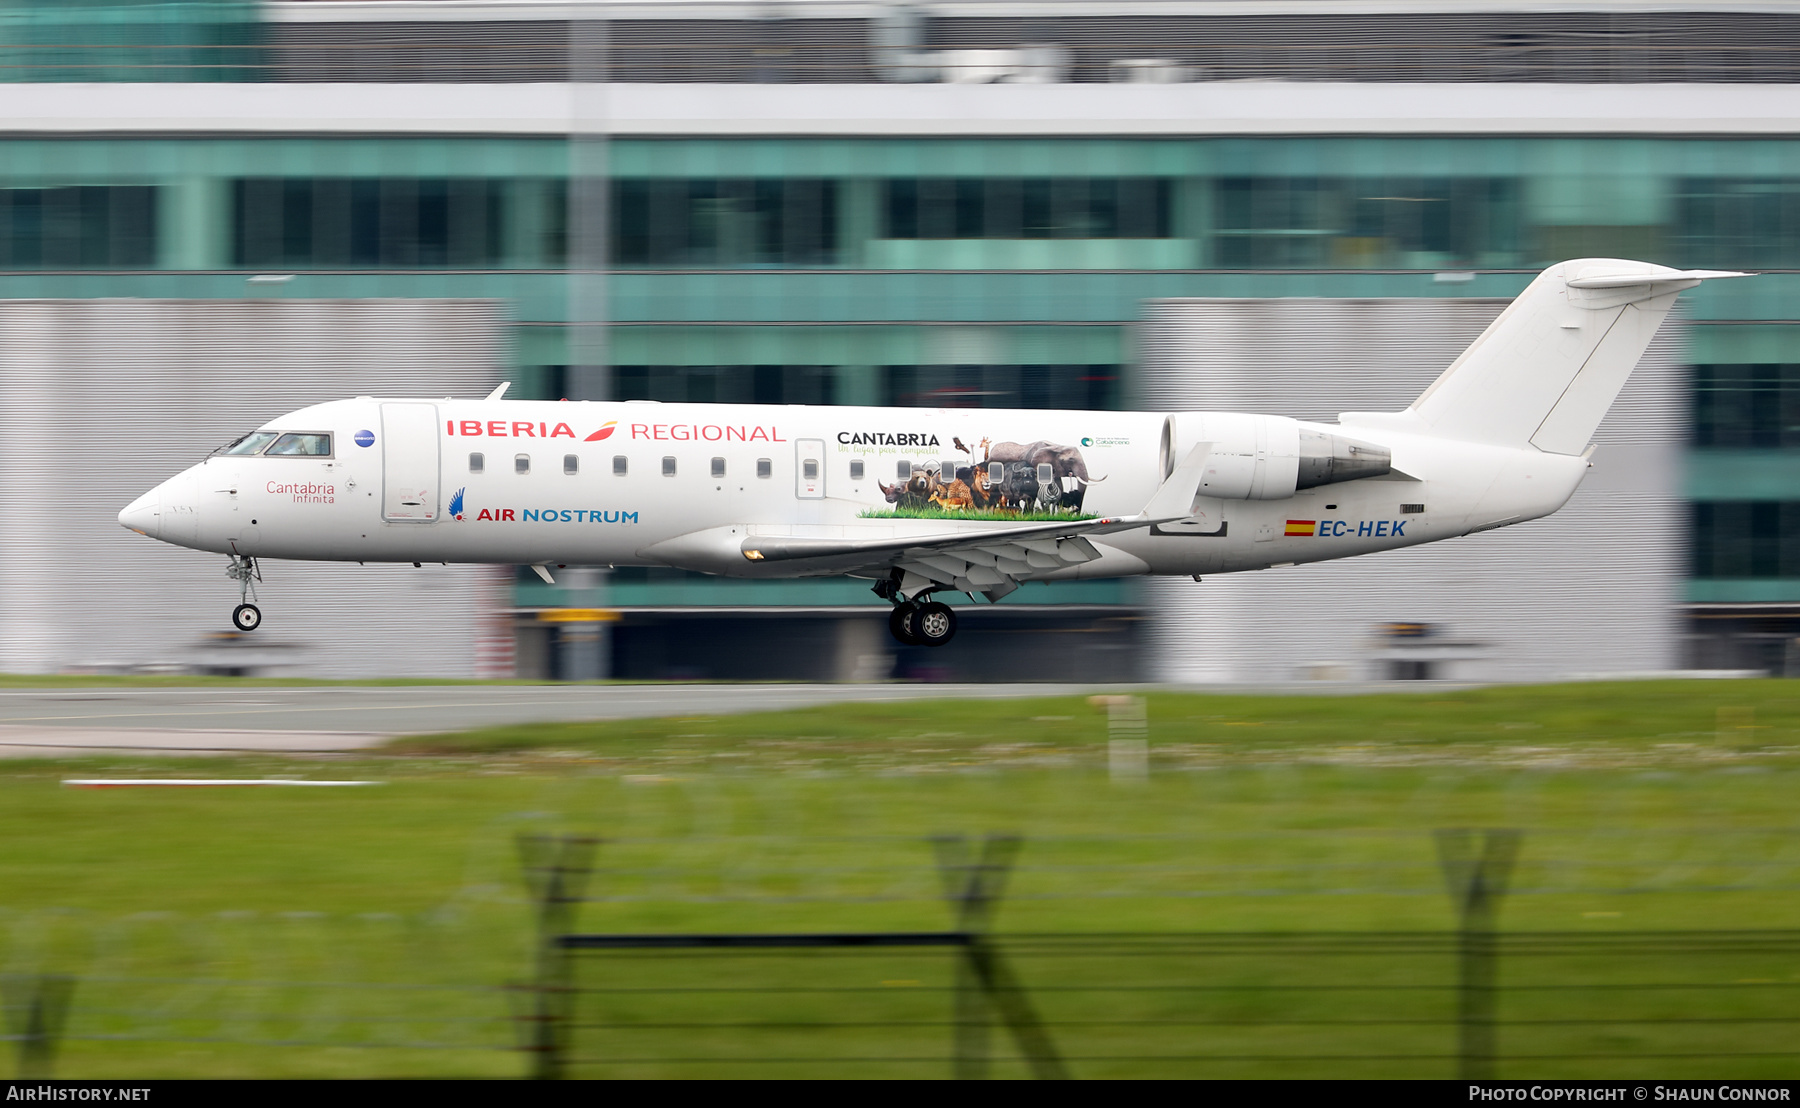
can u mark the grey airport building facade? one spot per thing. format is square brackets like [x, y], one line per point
[213, 213]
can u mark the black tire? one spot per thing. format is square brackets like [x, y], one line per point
[932, 624]
[898, 621]
[246, 617]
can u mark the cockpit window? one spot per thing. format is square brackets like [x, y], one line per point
[252, 443]
[311, 444]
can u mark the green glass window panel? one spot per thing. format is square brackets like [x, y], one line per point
[724, 222]
[81, 227]
[1736, 221]
[1026, 207]
[1090, 387]
[1746, 405]
[1338, 223]
[1746, 538]
[378, 223]
[726, 384]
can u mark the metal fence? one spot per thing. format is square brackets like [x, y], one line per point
[1304, 1004]
[428, 993]
[1474, 1003]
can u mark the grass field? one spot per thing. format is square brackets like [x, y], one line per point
[370, 931]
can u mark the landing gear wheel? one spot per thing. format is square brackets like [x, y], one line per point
[246, 617]
[932, 624]
[898, 619]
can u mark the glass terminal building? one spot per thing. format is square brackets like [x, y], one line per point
[930, 205]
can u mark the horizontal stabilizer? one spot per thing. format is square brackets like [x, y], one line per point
[1649, 277]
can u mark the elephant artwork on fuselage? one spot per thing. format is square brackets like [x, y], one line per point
[1069, 477]
[1064, 461]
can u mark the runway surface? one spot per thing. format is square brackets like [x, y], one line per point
[65, 721]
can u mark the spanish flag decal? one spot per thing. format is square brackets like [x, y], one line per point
[1303, 528]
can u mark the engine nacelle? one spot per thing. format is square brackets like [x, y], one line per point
[1260, 457]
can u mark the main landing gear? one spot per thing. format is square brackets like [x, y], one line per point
[244, 570]
[917, 621]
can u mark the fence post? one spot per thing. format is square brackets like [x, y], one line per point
[37, 1006]
[984, 982]
[556, 871]
[1127, 737]
[1477, 882]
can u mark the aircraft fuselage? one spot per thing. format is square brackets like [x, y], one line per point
[517, 482]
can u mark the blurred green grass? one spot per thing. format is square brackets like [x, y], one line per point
[371, 930]
[1559, 721]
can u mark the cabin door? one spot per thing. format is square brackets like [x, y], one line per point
[809, 469]
[409, 463]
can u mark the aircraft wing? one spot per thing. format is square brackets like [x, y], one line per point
[991, 560]
[987, 559]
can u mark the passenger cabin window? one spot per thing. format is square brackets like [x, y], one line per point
[521, 463]
[947, 469]
[810, 469]
[570, 464]
[856, 470]
[303, 445]
[620, 465]
[1045, 473]
[903, 470]
[477, 463]
[996, 472]
[668, 467]
[252, 443]
[764, 467]
[718, 467]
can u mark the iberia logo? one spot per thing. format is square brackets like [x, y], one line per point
[456, 511]
[604, 432]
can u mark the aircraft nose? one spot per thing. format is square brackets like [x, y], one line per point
[144, 515]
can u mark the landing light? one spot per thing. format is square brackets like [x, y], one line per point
[754, 555]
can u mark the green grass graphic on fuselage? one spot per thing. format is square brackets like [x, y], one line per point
[1008, 514]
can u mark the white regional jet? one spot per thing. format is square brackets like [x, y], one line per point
[929, 500]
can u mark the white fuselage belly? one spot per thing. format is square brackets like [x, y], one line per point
[339, 508]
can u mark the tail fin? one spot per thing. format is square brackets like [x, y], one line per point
[1547, 370]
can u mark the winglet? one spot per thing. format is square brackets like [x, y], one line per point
[1175, 499]
[499, 391]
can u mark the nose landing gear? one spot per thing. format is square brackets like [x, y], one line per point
[244, 570]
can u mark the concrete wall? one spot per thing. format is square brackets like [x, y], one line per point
[1590, 589]
[102, 399]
